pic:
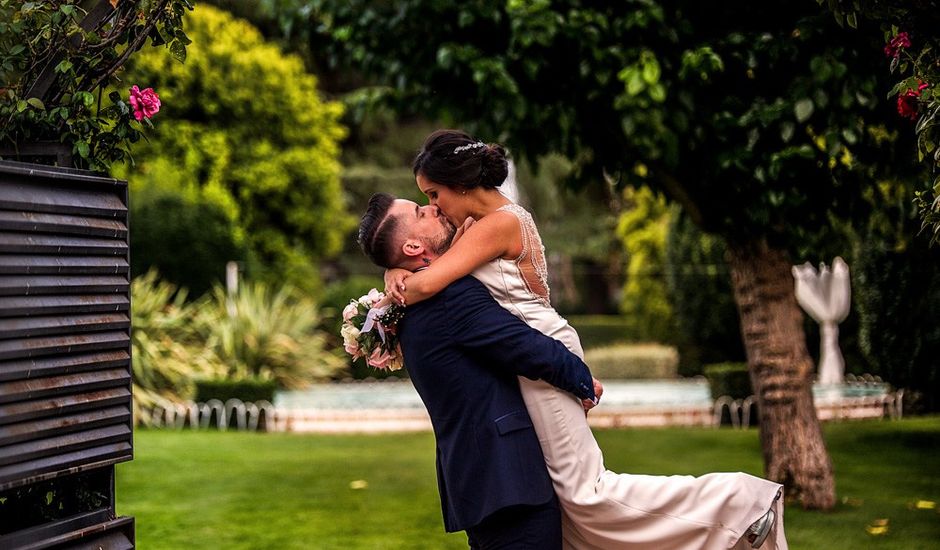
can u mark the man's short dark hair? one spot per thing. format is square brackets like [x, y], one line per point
[378, 232]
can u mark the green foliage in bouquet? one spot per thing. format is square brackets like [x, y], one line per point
[57, 58]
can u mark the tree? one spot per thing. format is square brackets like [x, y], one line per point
[745, 114]
[244, 129]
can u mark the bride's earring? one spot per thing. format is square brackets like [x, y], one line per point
[427, 261]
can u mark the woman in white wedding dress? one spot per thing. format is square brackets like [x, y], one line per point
[499, 244]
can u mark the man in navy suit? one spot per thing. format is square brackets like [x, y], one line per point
[463, 352]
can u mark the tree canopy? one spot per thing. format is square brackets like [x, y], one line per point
[745, 114]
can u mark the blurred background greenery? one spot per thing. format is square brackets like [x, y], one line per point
[269, 145]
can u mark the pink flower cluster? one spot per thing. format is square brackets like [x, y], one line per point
[146, 102]
[893, 48]
[907, 102]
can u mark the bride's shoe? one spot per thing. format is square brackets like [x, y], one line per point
[758, 531]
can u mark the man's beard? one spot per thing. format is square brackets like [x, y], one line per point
[439, 244]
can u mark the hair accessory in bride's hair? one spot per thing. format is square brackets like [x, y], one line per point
[476, 145]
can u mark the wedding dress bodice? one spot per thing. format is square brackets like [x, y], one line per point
[521, 285]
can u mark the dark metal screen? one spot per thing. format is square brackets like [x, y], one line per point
[65, 377]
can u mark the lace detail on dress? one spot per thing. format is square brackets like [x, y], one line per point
[534, 271]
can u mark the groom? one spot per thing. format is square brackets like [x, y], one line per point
[463, 352]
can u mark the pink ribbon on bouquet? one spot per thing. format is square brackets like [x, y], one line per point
[372, 319]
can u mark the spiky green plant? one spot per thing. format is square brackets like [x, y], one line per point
[167, 353]
[266, 333]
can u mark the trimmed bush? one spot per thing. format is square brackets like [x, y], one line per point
[246, 389]
[731, 379]
[166, 223]
[633, 361]
[602, 330]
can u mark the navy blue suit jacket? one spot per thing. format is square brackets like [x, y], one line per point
[463, 352]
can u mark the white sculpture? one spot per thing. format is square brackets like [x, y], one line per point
[826, 295]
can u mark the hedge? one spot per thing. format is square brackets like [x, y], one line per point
[633, 361]
[602, 330]
[246, 389]
[731, 379]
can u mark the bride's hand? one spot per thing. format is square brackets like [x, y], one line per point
[462, 229]
[395, 284]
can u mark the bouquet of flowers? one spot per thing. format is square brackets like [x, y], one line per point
[369, 331]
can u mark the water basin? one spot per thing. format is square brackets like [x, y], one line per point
[400, 394]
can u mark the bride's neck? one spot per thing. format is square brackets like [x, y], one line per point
[486, 201]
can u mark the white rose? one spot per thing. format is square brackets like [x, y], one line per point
[349, 334]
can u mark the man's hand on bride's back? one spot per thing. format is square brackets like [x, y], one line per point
[395, 284]
[462, 229]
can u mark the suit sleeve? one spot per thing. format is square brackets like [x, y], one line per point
[485, 328]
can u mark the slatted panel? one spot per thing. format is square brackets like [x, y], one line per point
[65, 399]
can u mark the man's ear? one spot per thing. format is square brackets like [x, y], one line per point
[412, 248]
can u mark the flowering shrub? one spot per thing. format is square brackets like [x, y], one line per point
[58, 58]
[913, 47]
[908, 101]
[895, 45]
[369, 331]
[920, 103]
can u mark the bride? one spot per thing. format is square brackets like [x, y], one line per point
[497, 242]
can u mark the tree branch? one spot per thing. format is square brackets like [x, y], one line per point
[677, 192]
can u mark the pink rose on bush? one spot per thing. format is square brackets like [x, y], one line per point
[893, 48]
[907, 102]
[146, 102]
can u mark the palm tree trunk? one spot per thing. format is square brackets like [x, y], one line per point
[781, 374]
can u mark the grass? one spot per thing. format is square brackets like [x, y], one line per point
[284, 491]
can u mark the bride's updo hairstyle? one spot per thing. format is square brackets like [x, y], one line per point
[456, 159]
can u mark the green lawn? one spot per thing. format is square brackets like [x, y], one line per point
[280, 491]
